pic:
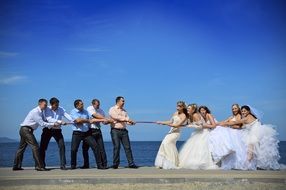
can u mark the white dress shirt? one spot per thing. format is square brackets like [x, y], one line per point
[91, 110]
[57, 115]
[36, 118]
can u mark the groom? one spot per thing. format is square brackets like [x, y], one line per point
[119, 133]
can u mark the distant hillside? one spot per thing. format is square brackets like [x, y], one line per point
[6, 140]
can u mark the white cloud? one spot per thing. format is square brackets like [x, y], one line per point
[11, 80]
[7, 54]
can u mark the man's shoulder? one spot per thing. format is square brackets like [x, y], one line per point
[84, 111]
[35, 110]
[100, 111]
[90, 108]
[61, 109]
[113, 107]
[48, 110]
[74, 110]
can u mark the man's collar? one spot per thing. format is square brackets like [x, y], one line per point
[38, 107]
[119, 107]
[77, 110]
[52, 109]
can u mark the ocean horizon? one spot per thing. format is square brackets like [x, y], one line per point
[144, 153]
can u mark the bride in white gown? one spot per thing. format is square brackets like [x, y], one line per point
[237, 159]
[167, 156]
[220, 141]
[261, 141]
[195, 153]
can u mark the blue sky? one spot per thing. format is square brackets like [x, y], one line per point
[153, 53]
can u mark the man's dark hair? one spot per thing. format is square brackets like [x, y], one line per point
[76, 102]
[42, 100]
[94, 100]
[54, 100]
[118, 98]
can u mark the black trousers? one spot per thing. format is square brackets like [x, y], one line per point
[46, 136]
[27, 138]
[121, 136]
[100, 150]
[77, 137]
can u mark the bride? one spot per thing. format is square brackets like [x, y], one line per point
[220, 141]
[260, 139]
[237, 159]
[195, 153]
[167, 156]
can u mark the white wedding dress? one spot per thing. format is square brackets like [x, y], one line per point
[238, 159]
[195, 153]
[167, 156]
[263, 139]
[220, 143]
[265, 142]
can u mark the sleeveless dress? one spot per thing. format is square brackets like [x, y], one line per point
[167, 156]
[195, 153]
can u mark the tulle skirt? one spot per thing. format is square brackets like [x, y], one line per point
[195, 153]
[220, 143]
[258, 140]
[264, 140]
[238, 159]
[167, 156]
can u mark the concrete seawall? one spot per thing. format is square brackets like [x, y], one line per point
[143, 175]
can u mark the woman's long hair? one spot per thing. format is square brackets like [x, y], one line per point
[204, 107]
[195, 108]
[183, 104]
[248, 109]
[239, 110]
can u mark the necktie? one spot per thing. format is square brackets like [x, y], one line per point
[43, 116]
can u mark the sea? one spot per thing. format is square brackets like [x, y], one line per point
[144, 153]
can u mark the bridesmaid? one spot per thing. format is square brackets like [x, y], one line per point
[195, 153]
[167, 156]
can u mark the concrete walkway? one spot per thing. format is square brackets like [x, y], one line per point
[142, 175]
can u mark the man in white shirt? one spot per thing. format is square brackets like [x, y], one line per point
[33, 120]
[54, 113]
[99, 116]
[119, 133]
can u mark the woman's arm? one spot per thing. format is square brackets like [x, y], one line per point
[166, 122]
[178, 125]
[238, 122]
[224, 123]
[212, 121]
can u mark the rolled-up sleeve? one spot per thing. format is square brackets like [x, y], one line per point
[38, 119]
[67, 116]
[73, 115]
[49, 117]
